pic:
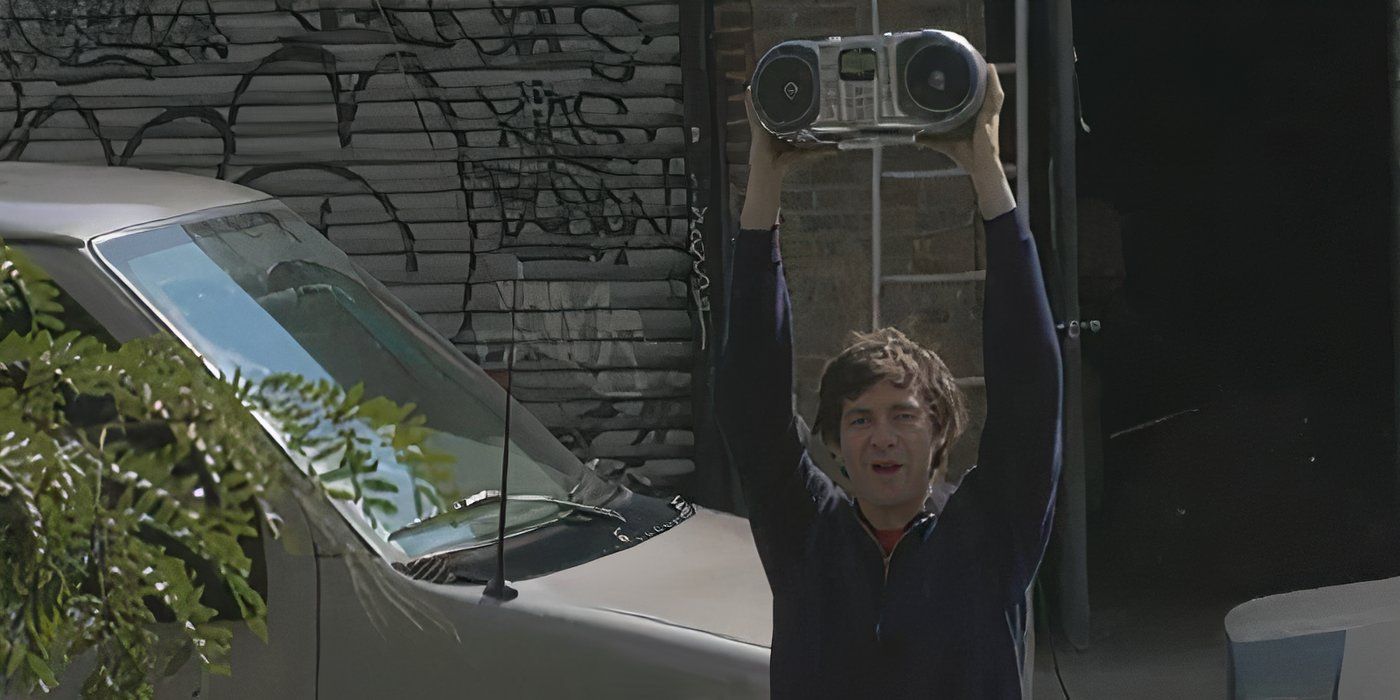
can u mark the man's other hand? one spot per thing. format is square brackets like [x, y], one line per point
[770, 158]
[769, 151]
[979, 151]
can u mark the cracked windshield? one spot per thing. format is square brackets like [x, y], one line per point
[265, 297]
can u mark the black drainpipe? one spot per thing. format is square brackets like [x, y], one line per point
[1061, 133]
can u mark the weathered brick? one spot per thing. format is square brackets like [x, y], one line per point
[944, 317]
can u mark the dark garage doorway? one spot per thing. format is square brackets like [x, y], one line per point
[1240, 159]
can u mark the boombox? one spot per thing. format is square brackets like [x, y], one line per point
[852, 91]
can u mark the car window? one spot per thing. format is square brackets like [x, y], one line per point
[264, 294]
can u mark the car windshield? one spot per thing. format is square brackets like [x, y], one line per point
[263, 294]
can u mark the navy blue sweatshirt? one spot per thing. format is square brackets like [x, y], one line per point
[944, 616]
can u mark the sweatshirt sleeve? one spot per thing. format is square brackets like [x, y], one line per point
[754, 399]
[1019, 456]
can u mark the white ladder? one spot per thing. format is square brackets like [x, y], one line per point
[878, 279]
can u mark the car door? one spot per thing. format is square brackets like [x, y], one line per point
[284, 666]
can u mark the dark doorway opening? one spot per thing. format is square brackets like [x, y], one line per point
[1242, 153]
[1235, 209]
[1236, 227]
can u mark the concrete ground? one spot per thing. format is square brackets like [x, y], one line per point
[1240, 498]
[1148, 648]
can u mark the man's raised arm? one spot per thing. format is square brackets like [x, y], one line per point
[1020, 452]
[754, 382]
[1019, 457]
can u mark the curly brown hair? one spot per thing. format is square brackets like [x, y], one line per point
[888, 354]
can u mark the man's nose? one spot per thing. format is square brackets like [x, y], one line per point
[883, 436]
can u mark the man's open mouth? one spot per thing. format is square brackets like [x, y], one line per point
[885, 467]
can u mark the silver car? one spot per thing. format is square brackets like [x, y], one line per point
[620, 594]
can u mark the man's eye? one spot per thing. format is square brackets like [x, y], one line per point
[907, 417]
[859, 421]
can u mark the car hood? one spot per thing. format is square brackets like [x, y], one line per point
[704, 574]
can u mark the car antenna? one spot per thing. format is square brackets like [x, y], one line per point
[496, 587]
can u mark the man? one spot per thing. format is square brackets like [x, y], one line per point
[876, 595]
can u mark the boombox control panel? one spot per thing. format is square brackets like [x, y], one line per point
[853, 98]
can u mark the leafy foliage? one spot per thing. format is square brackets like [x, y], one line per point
[28, 302]
[119, 466]
[110, 460]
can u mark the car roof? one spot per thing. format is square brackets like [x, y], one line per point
[71, 204]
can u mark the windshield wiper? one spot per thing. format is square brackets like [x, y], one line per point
[491, 496]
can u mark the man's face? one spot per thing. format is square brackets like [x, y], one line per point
[887, 446]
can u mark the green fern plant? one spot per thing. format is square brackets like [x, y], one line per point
[120, 463]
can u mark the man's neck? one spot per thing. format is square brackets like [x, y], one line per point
[892, 517]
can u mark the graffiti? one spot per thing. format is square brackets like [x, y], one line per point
[700, 287]
[39, 34]
[26, 122]
[601, 38]
[208, 116]
[440, 145]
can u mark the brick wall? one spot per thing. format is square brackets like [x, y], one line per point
[439, 148]
[928, 225]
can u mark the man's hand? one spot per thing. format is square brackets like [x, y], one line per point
[979, 153]
[770, 152]
[770, 158]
